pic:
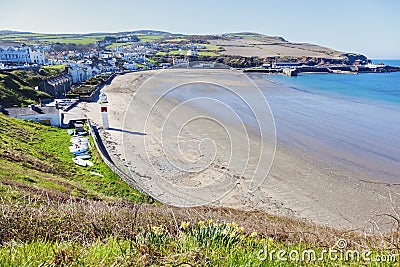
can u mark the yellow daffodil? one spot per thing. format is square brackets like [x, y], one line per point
[185, 225]
[270, 241]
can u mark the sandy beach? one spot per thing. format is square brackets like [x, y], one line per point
[173, 147]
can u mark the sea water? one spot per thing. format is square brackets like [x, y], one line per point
[352, 120]
[377, 87]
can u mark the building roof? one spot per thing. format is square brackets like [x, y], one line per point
[7, 44]
[59, 80]
[27, 111]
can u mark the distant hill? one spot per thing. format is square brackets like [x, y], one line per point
[4, 32]
[263, 46]
[233, 47]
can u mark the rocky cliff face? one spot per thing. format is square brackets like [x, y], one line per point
[350, 58]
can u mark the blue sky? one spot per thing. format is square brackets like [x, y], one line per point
[368, 27]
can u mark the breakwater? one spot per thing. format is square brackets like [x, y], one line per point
[346, 69]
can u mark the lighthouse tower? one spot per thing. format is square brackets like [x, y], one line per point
[103, 109]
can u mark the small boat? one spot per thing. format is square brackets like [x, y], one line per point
[79, 154]
[80, 162]
[89, 163]
[83, 133]
[77, 145]
[83, 156]
[78, 151]
[77, 142]
[78, 139]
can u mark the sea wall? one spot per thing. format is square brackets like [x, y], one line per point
[110, 163]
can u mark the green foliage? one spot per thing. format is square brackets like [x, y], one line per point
[18, 88]
[51, 70]
[157, 246]
[39, 156]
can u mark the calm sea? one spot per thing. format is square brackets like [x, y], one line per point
[347, 120]
[351, 119]
[381, 87]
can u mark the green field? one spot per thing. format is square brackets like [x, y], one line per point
[207, 53]
[149, 38]
[176, 40]
[66, 40]
[52, 38]
[84, 39]
[211, 47]
[114, 45]
[177, 52]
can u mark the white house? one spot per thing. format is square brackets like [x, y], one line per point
[22, 55]
[37, 57]
[192, 53]
[81, 72]
[180, 63]
[130, 65]
[78, 74]
[45, 115]
[15, 55]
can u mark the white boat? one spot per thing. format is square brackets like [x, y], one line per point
[79, 140]
[77, 147]
[74, 139]
[89, 163]
[78, 150]
[83, 156]
[83, 133]
[80, 162]
[79, 144]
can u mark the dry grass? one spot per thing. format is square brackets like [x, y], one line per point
[40, 214]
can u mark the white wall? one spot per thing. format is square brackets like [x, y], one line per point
[37, 56]
[55, 119]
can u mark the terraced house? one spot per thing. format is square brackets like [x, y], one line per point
[21, 55]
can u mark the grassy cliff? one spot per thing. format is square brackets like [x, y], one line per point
[17, 87]
[55, 213]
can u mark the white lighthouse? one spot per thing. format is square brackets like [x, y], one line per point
[103, 109]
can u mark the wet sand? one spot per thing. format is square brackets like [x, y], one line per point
[303, 182]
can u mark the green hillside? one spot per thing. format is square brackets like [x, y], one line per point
[35, 157]
[17, 87]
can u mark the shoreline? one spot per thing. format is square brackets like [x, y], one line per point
[296, 186]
